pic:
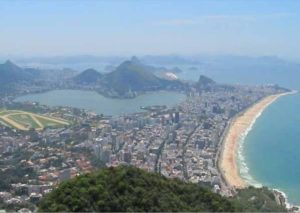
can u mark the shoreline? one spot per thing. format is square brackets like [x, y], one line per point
[230, 147]
[238, 128]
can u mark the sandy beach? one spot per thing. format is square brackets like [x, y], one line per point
[238, 127]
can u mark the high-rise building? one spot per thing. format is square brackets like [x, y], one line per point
[176, 119]
[114, 141]
[171, 117]
[127, 157]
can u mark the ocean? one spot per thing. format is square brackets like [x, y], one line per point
[270, 153]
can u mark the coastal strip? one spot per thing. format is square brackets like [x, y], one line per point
[239, 126]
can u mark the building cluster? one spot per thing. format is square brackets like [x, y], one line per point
[181, 142]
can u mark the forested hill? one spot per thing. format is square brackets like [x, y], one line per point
[128, 79]
[131, 189]
[89, 76]
[124, 189]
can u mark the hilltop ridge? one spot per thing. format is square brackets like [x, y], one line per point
[128, 79]
[124, 189]
[89, 76]
[11, 73]
[129, 189]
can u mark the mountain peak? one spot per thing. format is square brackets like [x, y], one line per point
[131, 65]
[135, 60]
[91, 71]
[9, 63]
[205, 83]
[10, 72]
[205, 80]
[88, 76]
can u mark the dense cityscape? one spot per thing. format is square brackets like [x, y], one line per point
[149, 106]
[182, 142]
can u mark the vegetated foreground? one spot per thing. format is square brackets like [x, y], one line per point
[26, 120]
[123, 189]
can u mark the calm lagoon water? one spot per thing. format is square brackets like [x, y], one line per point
[95, 102]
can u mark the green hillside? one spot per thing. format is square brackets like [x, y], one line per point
[132, 76]
[129, 77]
[13, 77]
[11, 73]
[89, 76]
[257, 200]
[131, 189]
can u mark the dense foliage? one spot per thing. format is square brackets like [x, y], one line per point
[257, 200]
[131, 189]
[17, 173]
[124, 189]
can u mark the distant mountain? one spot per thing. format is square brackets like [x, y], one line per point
[193, 68]
[168, 59]
[205, 83]
[11, 73]
[176, 70]
[89, 76]
[129, 79]
[203, 80]
[131, 76]
[126, 80]
[134, 76]
[155, 70]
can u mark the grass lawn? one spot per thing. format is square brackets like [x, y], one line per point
[50, 123]
[25, 120]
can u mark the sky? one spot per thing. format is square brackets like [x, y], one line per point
[157, 27]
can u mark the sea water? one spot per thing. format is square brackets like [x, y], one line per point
[269, 155]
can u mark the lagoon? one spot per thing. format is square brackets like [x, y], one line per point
[96, 102]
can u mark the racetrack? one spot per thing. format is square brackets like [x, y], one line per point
[26, 120]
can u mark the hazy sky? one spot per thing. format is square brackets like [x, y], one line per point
[58, 27]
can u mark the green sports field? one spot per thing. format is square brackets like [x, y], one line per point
[26, 120]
